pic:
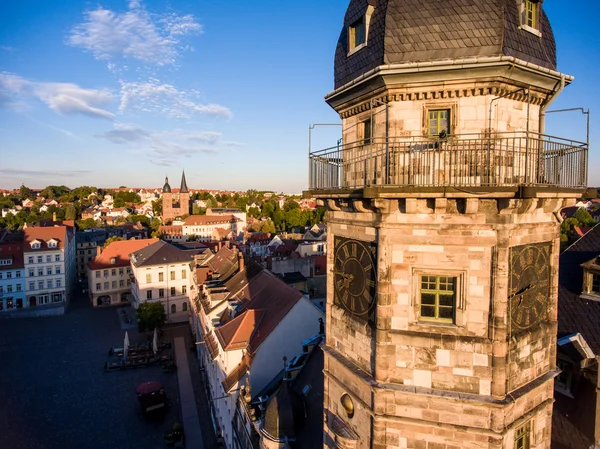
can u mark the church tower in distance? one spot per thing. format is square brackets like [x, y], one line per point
[442, 226]
[175, 204]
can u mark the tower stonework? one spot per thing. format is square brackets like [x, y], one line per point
[175, 204]
[442, 216]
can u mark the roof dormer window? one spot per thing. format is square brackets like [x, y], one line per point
[52, 243]
[358, 31]
[530, 16]
[35, 244]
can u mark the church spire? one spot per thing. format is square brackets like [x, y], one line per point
[184, 187]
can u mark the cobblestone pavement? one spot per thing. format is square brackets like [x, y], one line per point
[54, 392]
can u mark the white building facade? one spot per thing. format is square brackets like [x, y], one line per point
[49, 264]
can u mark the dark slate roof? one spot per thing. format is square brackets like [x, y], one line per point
[311, 379]
[285, 413]
[166, 188]
[161, 253]
[573, 418]
[293, 277]
[184, 187]
[426, 30]
[577, 314]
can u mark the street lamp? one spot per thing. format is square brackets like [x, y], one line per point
[583, 111]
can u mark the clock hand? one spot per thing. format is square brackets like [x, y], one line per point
[520, 292]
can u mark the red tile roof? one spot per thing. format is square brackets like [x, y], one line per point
[201, 220]
[236, 333]
[170, 230]
[267, 292]
[119, 251]
[43, 235]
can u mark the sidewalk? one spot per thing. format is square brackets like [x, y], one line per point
[187, 399]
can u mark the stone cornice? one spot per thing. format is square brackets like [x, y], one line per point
[449, 92]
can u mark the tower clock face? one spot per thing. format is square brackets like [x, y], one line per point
[354, 275]
[529, 285]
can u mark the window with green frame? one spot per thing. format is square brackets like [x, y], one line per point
[523, 436]
[438, 298]
[531, 13]
[595, 283]
[367, 126]
[438, 120]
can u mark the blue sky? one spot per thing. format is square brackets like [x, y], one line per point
[125, 92]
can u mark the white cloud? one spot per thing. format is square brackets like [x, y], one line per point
[154, 96]
[168, 146]
[134, 34]
[63, 98]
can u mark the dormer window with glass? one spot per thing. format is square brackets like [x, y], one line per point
[35, 244]
[358, 31]
[52, 243]
[530, 16]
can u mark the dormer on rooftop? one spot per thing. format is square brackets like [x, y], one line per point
[35, 244]
[591, 279]
[52, 243]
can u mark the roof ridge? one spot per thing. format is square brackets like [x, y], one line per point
[581, 238]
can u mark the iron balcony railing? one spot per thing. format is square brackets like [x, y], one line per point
[500, 159]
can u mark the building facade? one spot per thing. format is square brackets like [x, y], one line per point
[109, 273]
[162, 272]
[207, 227]
[89, 243]
[442, 236]
[12, 276]
[175, 204]
[50, 264]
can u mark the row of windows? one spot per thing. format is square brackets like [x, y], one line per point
[40, 259]
[50, 283]
[113, 284]
[40, 271]
[161, 276]
[113, 272]
[9, 288]
[161, 292]
[9, 274]
[438, 124]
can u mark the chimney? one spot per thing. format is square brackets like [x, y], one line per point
[241, 261]
[53, 216]
[218, 245]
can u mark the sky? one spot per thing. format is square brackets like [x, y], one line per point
[120, 92]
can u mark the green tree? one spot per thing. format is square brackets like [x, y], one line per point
[268, 227]
[253, 212]
[584, 217]
[120, 198]
[197, 210]
[25, 193]
[86, 224]
[150, 315]
[268, 209]
[157, 207]
[112, 239]
[294, 218]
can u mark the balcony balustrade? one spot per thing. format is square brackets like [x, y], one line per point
[478, 160]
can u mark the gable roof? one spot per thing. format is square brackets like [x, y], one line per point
[202, 220]
[236, 333]
[119, 251]
[14, 252]
[161, 252]
[43, 234]
[267, 292]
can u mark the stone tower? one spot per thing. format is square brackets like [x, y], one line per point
[167, 201]
[178, 204]
[442, 203]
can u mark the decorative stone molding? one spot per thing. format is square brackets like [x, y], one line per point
[535, 99]
[333, 204]
[361, 205]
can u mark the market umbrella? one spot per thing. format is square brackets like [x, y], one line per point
[155, 342]
[126, 345]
